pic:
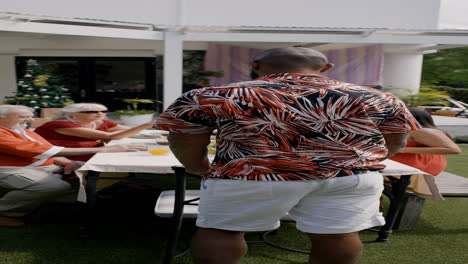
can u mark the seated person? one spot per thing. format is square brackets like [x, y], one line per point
[425, 150]
[425, 147]
[29, 171]
[84, 125]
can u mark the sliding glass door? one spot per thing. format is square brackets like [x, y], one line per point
[102, 80]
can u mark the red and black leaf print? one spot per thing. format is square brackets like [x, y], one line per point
[287, 127]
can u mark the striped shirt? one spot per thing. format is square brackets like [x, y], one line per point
[286, 127]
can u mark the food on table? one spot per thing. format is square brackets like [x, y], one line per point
[158, 151]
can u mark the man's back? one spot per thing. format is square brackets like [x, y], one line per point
[292, 126]
[277, 134]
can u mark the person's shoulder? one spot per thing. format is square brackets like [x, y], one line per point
[212, 90]
[109, 123]
[243, 84]
[33, 134]
[57, 124]
[371, 92]
[5, 131]
[355, 87]
[426, 133]
[256, 85]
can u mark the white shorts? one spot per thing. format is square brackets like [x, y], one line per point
[332, 206]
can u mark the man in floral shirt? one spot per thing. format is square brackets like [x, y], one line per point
[292, 142]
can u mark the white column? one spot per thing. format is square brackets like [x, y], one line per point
[7, 75]
[402, 70]
[173, 67]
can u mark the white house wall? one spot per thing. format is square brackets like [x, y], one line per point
[7, 75]
[139, 11]
[56, 45]
[402, 14]
[402, 72]
[407, 14]
[453, 14]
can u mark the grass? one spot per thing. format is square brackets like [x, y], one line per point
[457, 164]
[440, 237]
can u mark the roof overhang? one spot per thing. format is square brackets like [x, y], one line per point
[327, 35]
[12, 22]
[77, 27]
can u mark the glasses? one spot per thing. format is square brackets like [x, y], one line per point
[94, 112]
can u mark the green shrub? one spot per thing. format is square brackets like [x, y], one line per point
[426, 96]
[460, 94]
[461, 140]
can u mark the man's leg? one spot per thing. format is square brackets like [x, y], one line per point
[335, 248]
[215, 246]
[29, 188]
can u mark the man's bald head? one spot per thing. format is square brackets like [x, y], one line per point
[290, 59]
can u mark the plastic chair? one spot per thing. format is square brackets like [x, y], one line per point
[176, 205]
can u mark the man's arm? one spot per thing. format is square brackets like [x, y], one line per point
[191, 151]
[394, 142]
[111, 148]
[102, 135]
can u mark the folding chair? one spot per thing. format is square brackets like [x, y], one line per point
[176, 205]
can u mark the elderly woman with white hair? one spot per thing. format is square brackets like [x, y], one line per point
[84, 125]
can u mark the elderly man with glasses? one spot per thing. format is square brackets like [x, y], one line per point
[31, 168]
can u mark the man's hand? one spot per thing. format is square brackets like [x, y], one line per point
[394, 142]
[191, 151]
[69, 166]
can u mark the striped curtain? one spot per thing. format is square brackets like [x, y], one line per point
[360, 65]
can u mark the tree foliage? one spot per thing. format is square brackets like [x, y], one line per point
[447, 67]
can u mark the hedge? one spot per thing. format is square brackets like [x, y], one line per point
[460, 94]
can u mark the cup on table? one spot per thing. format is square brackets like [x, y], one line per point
[158, 150]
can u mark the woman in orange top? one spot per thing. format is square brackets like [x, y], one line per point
[425, 147]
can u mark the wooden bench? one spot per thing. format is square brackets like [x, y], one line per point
[450, 185]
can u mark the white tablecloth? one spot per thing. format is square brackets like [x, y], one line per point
[144, 162]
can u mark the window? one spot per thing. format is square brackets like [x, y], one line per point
[102, 80]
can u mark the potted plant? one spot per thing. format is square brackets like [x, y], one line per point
[132, 116]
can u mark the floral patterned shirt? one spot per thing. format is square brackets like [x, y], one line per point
[287, 126]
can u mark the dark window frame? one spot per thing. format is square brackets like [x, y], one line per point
[87, 73]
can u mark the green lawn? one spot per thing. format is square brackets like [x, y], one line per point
[441, 237]
[458, 164]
